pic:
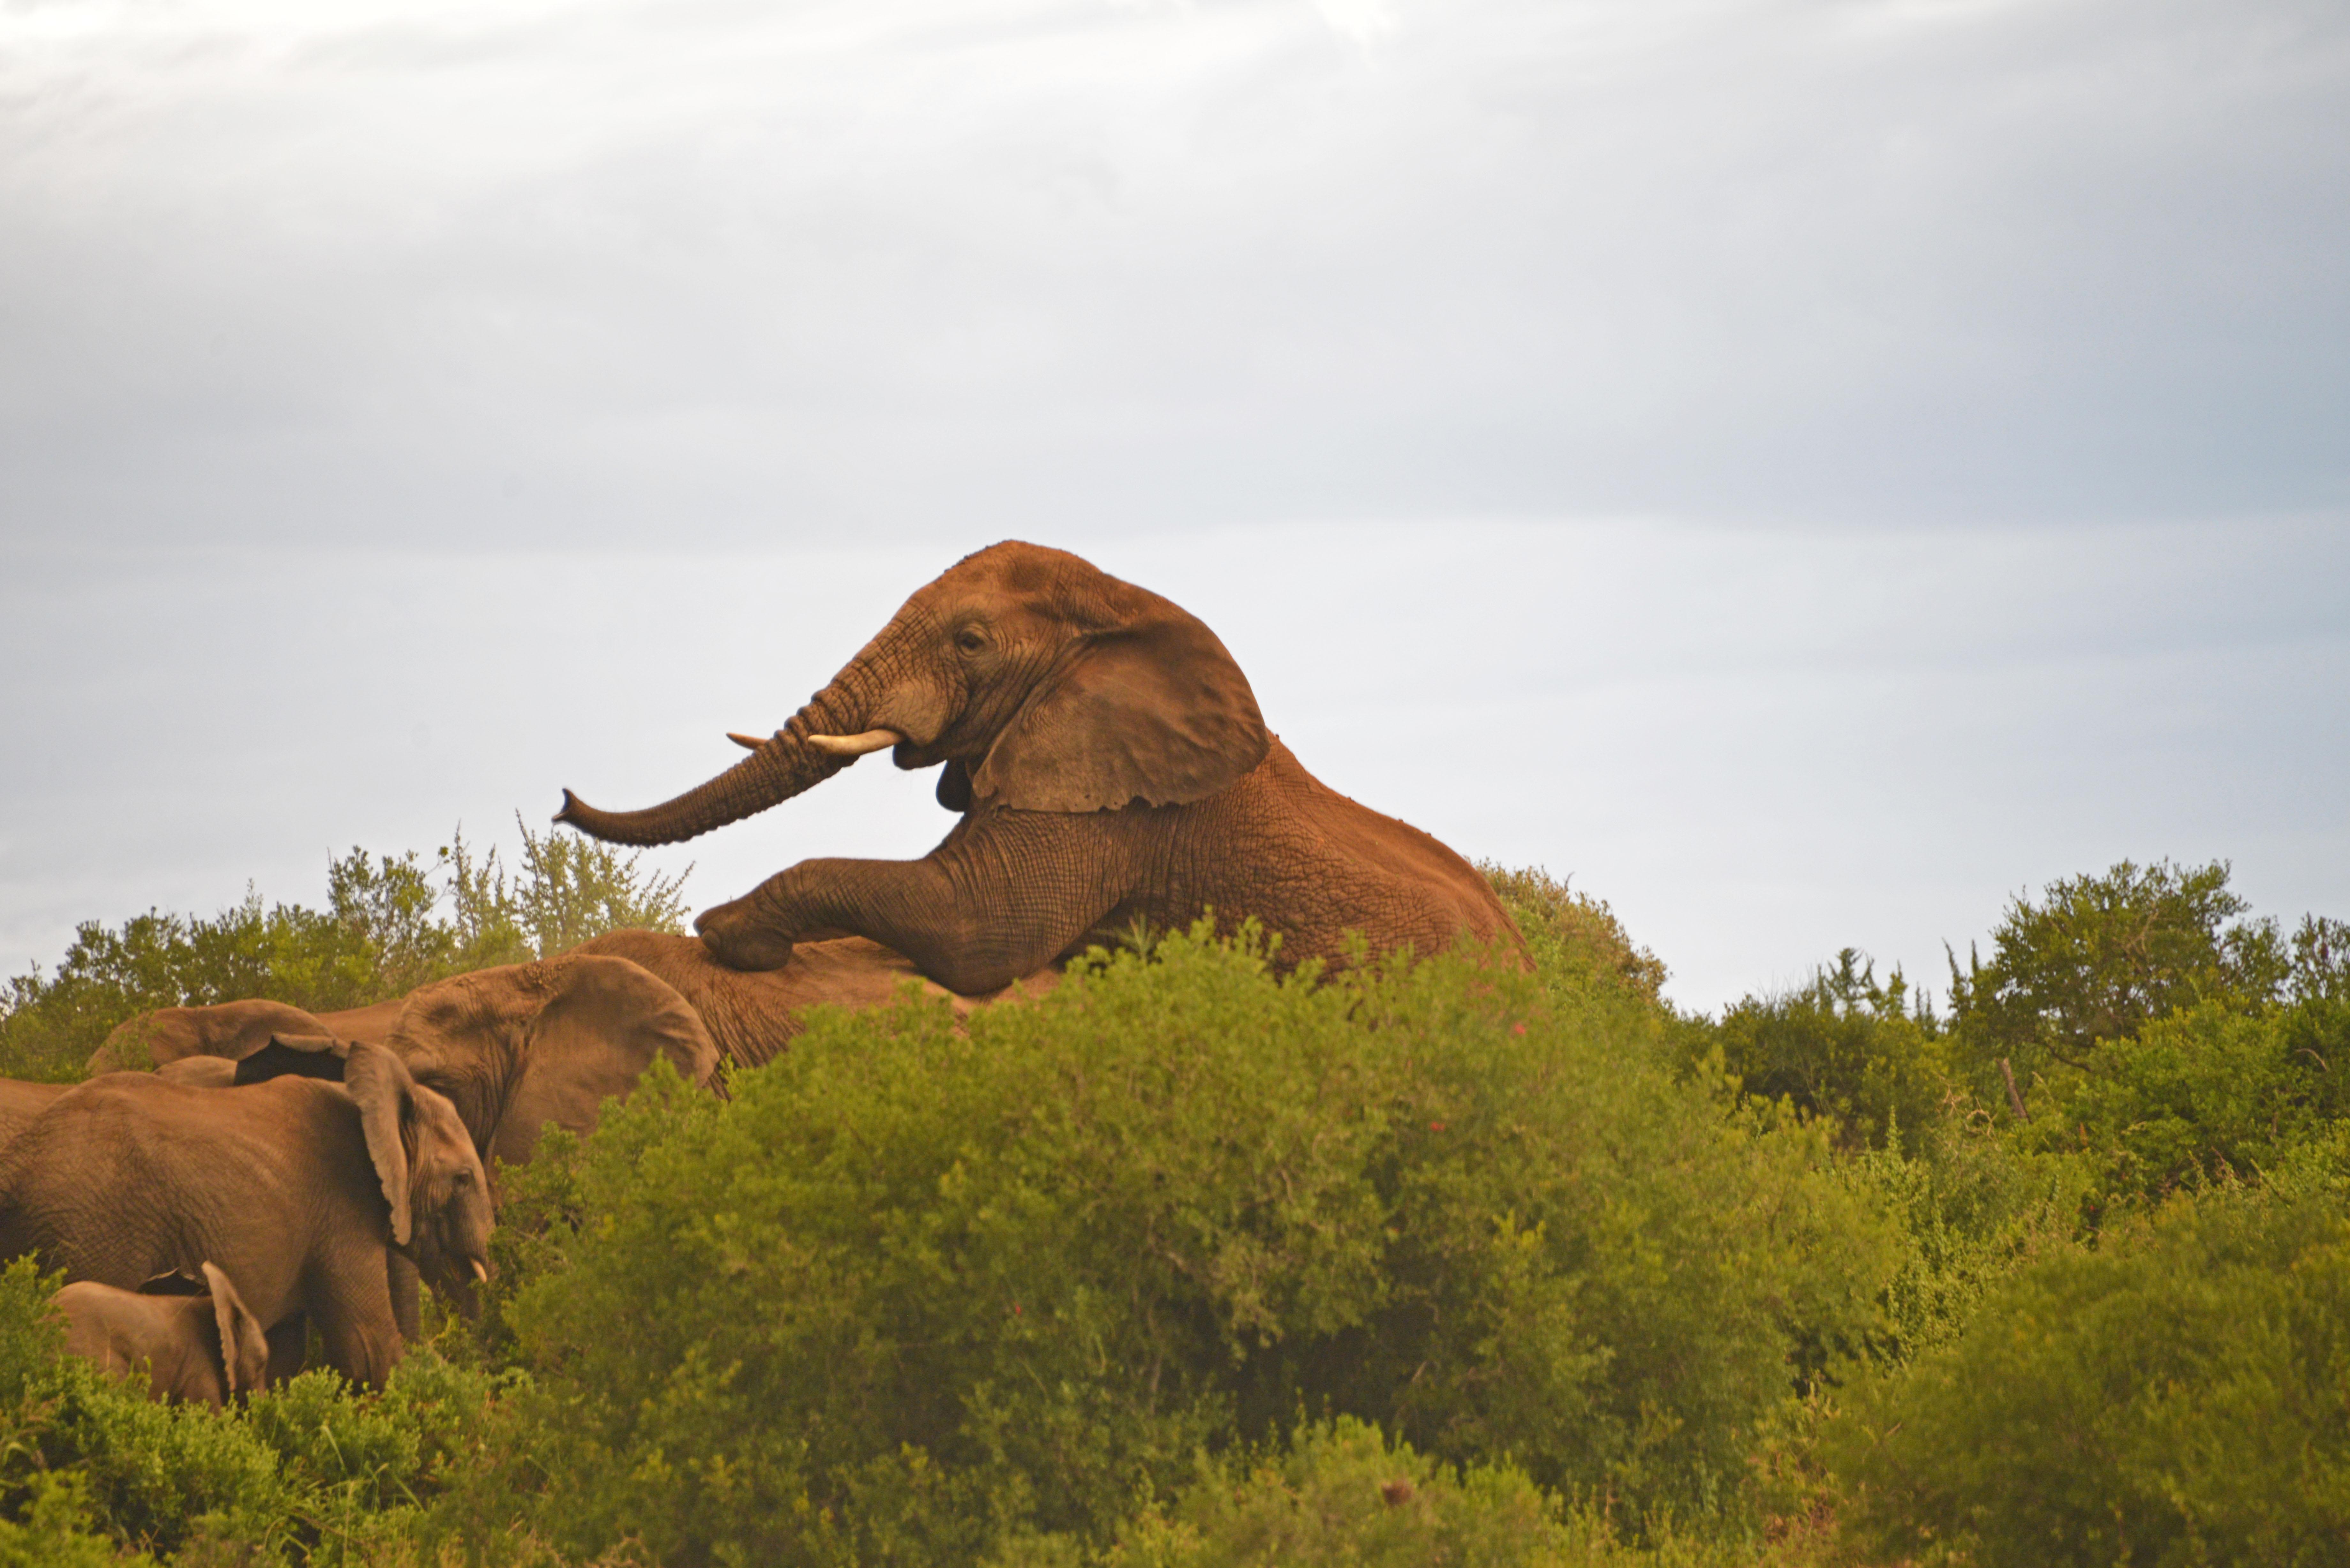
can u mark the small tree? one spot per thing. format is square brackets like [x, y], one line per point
[2098, 957]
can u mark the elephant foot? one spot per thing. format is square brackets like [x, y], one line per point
[736, 940]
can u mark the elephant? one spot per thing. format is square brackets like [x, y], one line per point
[1109, 767]
[202, 1344]
[513, 1047]
[753, 1014]
[319, 1200]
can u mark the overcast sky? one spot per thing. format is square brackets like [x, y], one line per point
[1810, 471]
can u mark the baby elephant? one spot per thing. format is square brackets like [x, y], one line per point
[205, 1347]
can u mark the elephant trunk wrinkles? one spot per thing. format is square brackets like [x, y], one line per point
[778, 770]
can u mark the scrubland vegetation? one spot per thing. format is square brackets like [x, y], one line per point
[1185, 1264]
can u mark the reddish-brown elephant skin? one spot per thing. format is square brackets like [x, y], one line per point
[1111, 768]
[753, 1014]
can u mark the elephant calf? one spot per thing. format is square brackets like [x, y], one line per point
[316, 1197]
[207, 1347]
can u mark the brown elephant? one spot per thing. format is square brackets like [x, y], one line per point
[753, 1014]
[513, 1047]
[317, 1199]
[202, 1344]
[1111, 769]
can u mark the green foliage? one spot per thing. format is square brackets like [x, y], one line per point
[914, 1289]
[55, 1534]
[1843, 1046]
[569, 889]
[378, 937]
[2100, 957]
[307, 1472]
[1187, 1263]
[1341, 1494]
[1971, 1208]
[2173, 1398]
[1578, 944]
[2210, 1094]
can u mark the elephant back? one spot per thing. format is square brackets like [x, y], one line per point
[127, 1176]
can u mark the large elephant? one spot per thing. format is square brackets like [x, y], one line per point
[1110, 768]
[514, 1047]
[753, 1014]
[318, 1200]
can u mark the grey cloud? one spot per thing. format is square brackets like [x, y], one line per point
[580, 272]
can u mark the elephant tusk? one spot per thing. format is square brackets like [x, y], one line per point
[480, 1270]
[856, 745]
[749, 743]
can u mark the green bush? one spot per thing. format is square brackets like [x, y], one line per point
[2173, 1398]
[913, 1290]
[1843, 1046]
[308, 1472]
[2098, 958]
[1578, 944]
[1341, 1496]
[2210, 1096]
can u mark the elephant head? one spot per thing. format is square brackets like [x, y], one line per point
[432, 1178]
[1040, 682]
[511, 1048]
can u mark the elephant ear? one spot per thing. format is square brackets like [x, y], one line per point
[244, 1343]
[379, 1083]
[1152, 710]
[601, 1023]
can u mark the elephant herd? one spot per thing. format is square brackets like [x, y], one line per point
[280, 1176]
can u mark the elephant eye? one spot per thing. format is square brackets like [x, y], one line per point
[970, 639]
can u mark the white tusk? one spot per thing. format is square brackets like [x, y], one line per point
[748, 742]
[856, 745]
[480, 1272]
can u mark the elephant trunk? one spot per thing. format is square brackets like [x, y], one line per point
[781, 768]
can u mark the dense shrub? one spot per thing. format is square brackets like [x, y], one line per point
[2172, 1397]
[913, 1289]
[1577, 942]
[1341, 1496]
[2098, 958]
[308, 1472]
[2210, 1094]
[1843, 1046]
[1188, 1264]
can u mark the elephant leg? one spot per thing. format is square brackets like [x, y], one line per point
[289, 1349]
[1006, 894]
[357, 1327]
[401, 1279]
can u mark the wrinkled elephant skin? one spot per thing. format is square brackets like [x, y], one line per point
[1110, 768]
